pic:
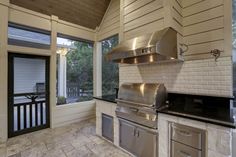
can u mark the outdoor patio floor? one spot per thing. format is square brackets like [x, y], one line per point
[75, 140]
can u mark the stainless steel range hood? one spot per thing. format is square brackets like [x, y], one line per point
[154, 47]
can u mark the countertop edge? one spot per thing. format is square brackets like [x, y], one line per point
[99, 98]
[202, 119]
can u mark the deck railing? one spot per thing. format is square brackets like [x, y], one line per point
[73, 91]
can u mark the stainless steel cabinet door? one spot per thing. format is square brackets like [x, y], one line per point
[146, 143]
[107, 127]
[127, 136]
[234, 144]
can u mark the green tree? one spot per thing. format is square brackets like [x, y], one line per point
[80, 69]
[234, 23]
[110, 70]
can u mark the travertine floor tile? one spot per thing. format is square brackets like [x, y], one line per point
[75, 140]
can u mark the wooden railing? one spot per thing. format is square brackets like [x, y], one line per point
[74, 92]
[29, 112]
[28, 115]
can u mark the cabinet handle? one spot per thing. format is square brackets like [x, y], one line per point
[134, 132]
[184, 154]
[184, 133]
[133, 109]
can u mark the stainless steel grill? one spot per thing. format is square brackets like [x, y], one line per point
[138, 102]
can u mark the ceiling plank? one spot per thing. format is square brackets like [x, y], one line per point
[87, 13]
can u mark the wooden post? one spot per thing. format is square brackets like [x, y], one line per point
[4, 6]
[53, 67]
[62, 76]
[97, 66]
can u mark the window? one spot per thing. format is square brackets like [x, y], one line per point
[75, 71]
[28, 37]
[234, 24]
[234, 48]
[110, 70]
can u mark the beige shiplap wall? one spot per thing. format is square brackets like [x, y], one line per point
[71, 113]
[206, 27]
[203, 25]
[146, 16]
[110, 24]
[142, 16]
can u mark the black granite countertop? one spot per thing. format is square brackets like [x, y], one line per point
[108, 98]
[229, 122]
[215, 110]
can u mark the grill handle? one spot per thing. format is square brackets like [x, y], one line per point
[133, 103]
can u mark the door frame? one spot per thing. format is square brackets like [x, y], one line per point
[11, 57]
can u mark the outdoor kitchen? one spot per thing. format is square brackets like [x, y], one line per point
[117, 78]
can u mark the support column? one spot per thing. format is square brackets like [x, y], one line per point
[97, 66]
[62, 76]
[53, 68]
[4, 6]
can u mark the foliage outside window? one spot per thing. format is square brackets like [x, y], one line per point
[75, 71]
[234, 24]
[234, 48]
[110, 70]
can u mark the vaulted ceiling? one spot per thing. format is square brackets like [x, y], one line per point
[87, 13]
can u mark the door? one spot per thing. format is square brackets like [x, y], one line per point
[146, 143]
[107, 127]
[28, 93]
[127, 136]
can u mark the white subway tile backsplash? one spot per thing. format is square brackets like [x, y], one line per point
[193, 77]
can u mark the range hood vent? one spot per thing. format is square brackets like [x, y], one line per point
[150, 48]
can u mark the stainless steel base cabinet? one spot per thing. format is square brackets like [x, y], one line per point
[187, 141]
[107, 127]
[138, 140]
[234, 144]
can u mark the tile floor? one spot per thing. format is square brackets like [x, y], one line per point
[75, 140]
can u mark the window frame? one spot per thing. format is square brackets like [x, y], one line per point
[101, 59]
[91, 43]
[23, 43]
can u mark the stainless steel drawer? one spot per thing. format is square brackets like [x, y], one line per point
[188, 135]
[181, 150]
